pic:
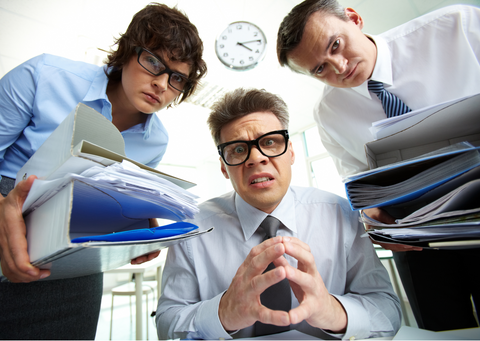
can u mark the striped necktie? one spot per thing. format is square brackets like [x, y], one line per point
[278, 296]
[392, 105]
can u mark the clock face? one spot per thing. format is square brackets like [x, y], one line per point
[241, 46]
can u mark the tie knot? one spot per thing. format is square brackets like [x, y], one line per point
[392, 105]
[375, 86]
[270, 225]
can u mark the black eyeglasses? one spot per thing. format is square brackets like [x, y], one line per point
[156, 67]
[271, 144]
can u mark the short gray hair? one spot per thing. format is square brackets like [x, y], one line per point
[242, 102]
[291, 29]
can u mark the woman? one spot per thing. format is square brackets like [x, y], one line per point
[157, 63]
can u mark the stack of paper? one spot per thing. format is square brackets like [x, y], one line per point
[407, 180]
[452, 217]
[446, 216]
[389, 126]
[426, 175]
[89, 209]
[125, 178]
[432, 210]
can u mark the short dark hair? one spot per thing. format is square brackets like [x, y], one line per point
[291, 29]
[242, 102]
[159, 27]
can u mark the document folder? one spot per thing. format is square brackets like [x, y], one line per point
[408, 180]
[79, 209]
[84, 139]
[393, 125]
[140, 234]
[88, 258]
[437, 213]
[459, 236]
[404, 209]
[456, 123]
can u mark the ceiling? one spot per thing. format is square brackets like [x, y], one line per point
[76, 29]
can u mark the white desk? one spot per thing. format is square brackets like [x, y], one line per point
[139, 270]
[410, 333]
[405, 333]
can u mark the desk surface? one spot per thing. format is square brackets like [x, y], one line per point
[405, 333]
[411, 333]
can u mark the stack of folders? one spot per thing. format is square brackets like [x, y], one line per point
[435, 198]
[389, 126]
[89, 209]
[150, 196]
[424, 171]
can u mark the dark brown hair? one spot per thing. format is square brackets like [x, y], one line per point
[292, 27]
[159, 27]
[242, 102]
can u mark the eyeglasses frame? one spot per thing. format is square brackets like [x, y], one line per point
[251, 143]
[167, 70]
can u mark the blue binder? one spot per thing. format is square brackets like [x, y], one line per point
[401, 173]
[141, 234]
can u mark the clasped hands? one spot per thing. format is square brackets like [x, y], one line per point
[240, 306]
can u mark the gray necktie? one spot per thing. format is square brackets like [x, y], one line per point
[278, 296]
[392, 105]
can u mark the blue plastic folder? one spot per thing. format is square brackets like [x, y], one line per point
[396, 183]
[141, 234]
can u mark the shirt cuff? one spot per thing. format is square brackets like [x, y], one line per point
[207, 321]
[358, 325]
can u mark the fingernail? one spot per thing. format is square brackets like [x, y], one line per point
[32, 273]
[44, 275]
[286, 239]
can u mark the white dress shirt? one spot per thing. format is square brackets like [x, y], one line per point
[426, 61]
[198, 271]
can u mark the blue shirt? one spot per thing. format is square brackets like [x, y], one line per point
[36, 96]
[199, 271]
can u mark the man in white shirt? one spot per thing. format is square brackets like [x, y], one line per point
[427, 61]
[211, 285]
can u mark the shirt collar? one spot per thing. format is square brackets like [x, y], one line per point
[250, 218]
[144, 128]
[98, 91]
[382, 71]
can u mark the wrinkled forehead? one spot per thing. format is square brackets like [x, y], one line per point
[250, 127]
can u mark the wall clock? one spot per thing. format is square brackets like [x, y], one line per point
[241, 46]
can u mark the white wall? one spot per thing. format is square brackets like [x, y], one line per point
[75, 29]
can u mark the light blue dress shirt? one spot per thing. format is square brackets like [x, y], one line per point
[36, 96]
[200, 270]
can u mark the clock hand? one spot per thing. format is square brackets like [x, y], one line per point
[251, 41]
[241, 44]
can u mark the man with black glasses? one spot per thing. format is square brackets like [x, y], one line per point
[327, 281]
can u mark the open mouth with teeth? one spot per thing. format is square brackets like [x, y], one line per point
[258, 180]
